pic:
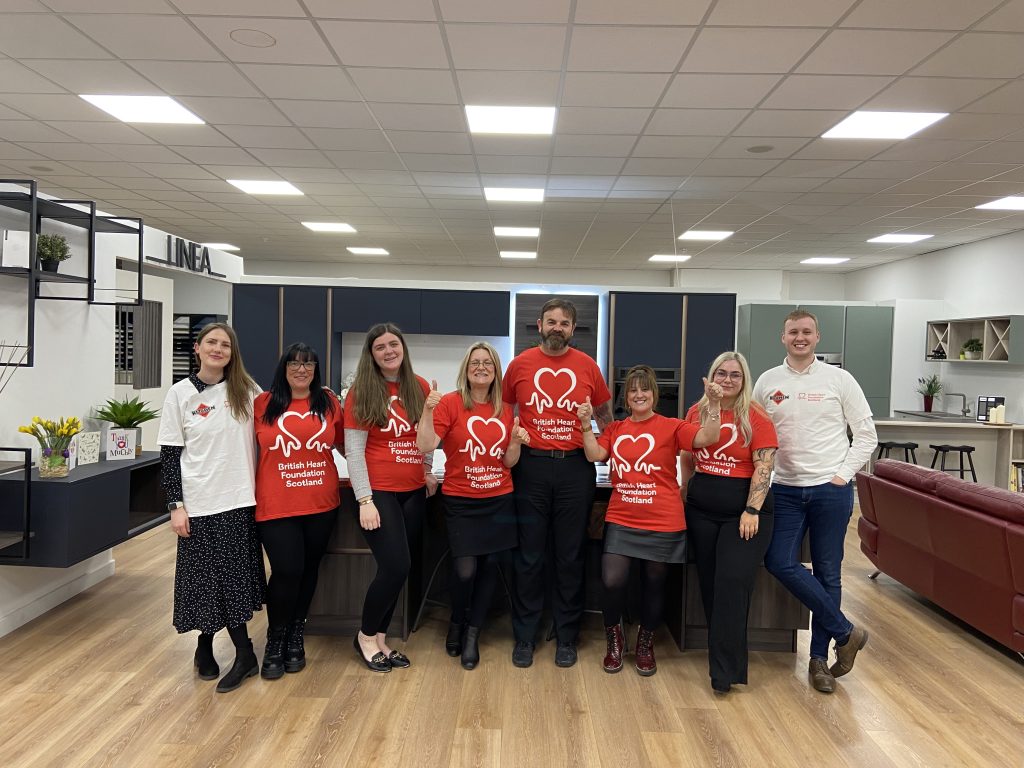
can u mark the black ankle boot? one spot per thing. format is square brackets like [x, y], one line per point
[246, 665]
[471, 648]
[453, 640]
[273, 654]
[294, 647]
[204, 661]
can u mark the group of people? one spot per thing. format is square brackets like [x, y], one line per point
[761, 466]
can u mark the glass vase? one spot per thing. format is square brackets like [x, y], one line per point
[53, 464]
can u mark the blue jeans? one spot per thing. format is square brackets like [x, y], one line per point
[823, 511]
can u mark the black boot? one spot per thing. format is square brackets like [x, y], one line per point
[246, 665]
[273, 654]
[206, 665]
[294, 648]
[453, 640]
[471, 648]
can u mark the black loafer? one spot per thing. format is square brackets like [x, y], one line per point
[399, 660]
[565, 654]
[378, 663]
[522, 654]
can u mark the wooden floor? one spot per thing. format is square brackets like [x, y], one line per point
[104, 680]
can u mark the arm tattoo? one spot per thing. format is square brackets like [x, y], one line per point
[761, 482]
[603, 415]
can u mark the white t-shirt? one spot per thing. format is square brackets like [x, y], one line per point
[811, 410]
[218, 463]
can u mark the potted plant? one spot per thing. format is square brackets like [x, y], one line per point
[972, 349]
[54, 438]
[930, 387]
[128, 414]
[51, 251]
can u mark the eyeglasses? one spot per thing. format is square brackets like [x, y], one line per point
[488, 364]
[730, 375]
[295, 365]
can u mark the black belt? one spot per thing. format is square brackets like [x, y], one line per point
[554, 454]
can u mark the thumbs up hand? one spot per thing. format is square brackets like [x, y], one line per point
[519, 434]
[585, 411]
[433, 397]
[713, 391]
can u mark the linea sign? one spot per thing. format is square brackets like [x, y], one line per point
[184, 254]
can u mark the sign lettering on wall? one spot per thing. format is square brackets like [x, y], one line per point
[186, 255]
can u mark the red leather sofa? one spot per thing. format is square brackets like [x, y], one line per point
[957, 543]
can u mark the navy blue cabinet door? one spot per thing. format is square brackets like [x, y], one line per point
[356, 309]
[647, 329]
[710, 330]
[465, 313]
[255, 316]
[305, 317]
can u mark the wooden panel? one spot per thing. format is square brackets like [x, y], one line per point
[527, 312]
[255, 316]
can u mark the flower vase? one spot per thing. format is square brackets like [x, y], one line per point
[928, 400]
[53, 464]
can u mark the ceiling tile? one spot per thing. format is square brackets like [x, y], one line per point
[15, 78]
[348, 139]
[506, 46]
[667, 12]
[279, 81]
[433, 142]
[54, 107]
[217, 155]
[168, 38]
[933, 94]
[512, 145]
[220, 110]
[927, 149]
[421, 86]
[235, 7]
[792, 13]
[841, 149]
[1009, 98]
[609, 89]
[778, 147]
[788, 122]
[426, 117]
[871, 52]
[348, 159]
[918, 14]
[185, 78]
[399, 10]
[753, 50]
[601, 120]
[659, 166]
[185, 135]
[287, 41]
[978, 54]
[586, 165]
[100, 133]
[298, 158]
[111, 6]
[527, 11]
[718, 91]
[30, 130]
[694, 122]
[327, 114]
[386, 44]
[824, 92]
[44, 36]
[515, 88]
[595, 146]
[974, 127]
[627, 49]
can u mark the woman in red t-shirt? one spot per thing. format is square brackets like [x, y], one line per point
[729, 515]
[481, 442]
[644, 521]
[298, 425]
[390, 477]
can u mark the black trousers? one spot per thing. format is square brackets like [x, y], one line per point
[553, 499]
[726, 566]
[294, 546]
[401, 520]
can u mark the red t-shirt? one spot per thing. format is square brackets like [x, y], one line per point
[474, 442]
[729, 457]
[296, 474]
[548, 390]
[642, 458]
[393, 461]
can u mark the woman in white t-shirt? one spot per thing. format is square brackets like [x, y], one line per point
[208, 474]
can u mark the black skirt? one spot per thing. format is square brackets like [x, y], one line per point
[219, 579]
[656, 546]
[480, 526]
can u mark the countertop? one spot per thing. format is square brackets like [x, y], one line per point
[941, 424]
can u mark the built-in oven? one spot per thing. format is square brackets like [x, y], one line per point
[669, 392]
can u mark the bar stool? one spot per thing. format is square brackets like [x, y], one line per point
[908, 449]
[963, 450]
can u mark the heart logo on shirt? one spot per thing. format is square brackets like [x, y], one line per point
[485, 437]
[629, 452]
[559, 386]
[286, 442]
[396, 422]
[704, 454]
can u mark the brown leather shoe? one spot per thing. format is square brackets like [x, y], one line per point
[645, 663]
[821, 678]
[615, 640]
[846, 654]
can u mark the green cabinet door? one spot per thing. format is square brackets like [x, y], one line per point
[831, 325]
[867, 353]
[759, 335]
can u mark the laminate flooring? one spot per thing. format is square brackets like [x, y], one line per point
[103, 680]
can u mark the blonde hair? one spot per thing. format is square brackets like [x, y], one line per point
[371, 389]
[462, 382]
[744, 400]
[241, 387]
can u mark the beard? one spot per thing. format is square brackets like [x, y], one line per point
[554, 340]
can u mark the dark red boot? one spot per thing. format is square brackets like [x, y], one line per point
[645, 663]
[613, 659]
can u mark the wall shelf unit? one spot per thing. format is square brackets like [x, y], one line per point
[1002, 339]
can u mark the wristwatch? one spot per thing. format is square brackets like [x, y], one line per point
[175, 505]
[752, 511]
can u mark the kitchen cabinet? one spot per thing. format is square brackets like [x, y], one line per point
[256, 318]
[759, 335]
[464, 313]
[646, 328]
[304, 318]
[355, 310]
[710, 330]
[1002, 339]
[867, 353]
[831, 325]
[528, 306]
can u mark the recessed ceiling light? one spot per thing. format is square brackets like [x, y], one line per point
[42, 168]
[221, 246]
[254, 187]
[824, 260]
[252, 38]
[882, 125]
[1012, 203]
[144, 109]
[328, 226]
[676, 257]
[368, 251]
[528, 120]
[514, 194]
[518, 254]
[704, 234]
[760, 149]
[899, 238]
[517, 231]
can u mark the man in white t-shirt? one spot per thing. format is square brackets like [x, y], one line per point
[812, 404]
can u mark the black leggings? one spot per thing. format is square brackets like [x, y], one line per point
[401, 519]
[473, 588]
[295, 546]
[615, 577]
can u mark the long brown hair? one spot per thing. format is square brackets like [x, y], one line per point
[493, 392]
[240, 385]
[372, 389]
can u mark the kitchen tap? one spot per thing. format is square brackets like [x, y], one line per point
[966, 410]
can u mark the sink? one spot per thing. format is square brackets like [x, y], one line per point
[937, 416]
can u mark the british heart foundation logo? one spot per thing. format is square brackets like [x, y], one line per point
[553, 388]
[777, 397]
[485, 438]
[629, 452]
